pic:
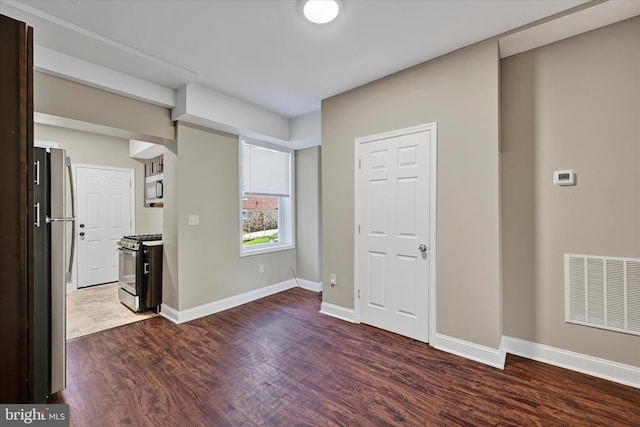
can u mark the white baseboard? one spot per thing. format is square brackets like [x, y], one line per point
[169, 313]
[312, 286]
[601, 368]
[71, 287]
[338, 312]
[224, 304]
[489, 356]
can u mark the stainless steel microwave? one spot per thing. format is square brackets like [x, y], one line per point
[154, 190]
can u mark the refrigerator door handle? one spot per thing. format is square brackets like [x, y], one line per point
[73, 219]
[70, 219]
[37, 173]
[37, 206]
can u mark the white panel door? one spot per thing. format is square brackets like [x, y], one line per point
[103, 217]
[393, 209]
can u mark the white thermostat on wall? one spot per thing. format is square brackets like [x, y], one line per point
[564, 177]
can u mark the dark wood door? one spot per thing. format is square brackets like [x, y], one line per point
[16, 221]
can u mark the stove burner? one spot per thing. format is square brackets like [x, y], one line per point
[144, 237]
[134, 242]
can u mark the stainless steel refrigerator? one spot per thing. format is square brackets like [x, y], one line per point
[54, 245]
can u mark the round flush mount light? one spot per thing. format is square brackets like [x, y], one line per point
[321, 11]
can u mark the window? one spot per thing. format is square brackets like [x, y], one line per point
[266, 202]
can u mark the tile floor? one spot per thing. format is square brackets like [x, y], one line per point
[97, 308]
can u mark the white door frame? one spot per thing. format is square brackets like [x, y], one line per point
[433, 175]
[73, 286]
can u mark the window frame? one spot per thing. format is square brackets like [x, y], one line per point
[286, 205]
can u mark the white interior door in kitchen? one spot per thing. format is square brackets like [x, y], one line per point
[104, 215]
[393, 216]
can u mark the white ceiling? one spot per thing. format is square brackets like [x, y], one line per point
[263, 51]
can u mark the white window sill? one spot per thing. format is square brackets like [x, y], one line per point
[244, 251]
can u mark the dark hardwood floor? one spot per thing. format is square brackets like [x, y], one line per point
[278, 362]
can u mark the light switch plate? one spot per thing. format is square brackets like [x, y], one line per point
[194, 219]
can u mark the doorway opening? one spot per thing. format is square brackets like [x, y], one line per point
[105, 212]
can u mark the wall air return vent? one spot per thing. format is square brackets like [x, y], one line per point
[603, 292]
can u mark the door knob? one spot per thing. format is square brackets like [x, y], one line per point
[81, 233]
[422, 247]
[81, 225]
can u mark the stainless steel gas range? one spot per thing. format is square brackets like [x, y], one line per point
[141, 272]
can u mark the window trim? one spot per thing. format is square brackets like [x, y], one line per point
[286, 208]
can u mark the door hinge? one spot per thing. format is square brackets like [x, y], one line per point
[130, 184]
[358, 228]
[358, 293]
[359, 163]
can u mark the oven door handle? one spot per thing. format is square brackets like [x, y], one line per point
[128, 252]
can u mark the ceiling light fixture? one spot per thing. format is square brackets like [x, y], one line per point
[321, 11]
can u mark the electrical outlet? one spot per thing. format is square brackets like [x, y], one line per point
[261, 268]
[332, 279]
[194, 219]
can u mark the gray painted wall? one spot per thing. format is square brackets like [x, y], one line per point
[79, 105]
[575, 105]
[170, 271]
[209, 265]
[460, 93]
[308, 214]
